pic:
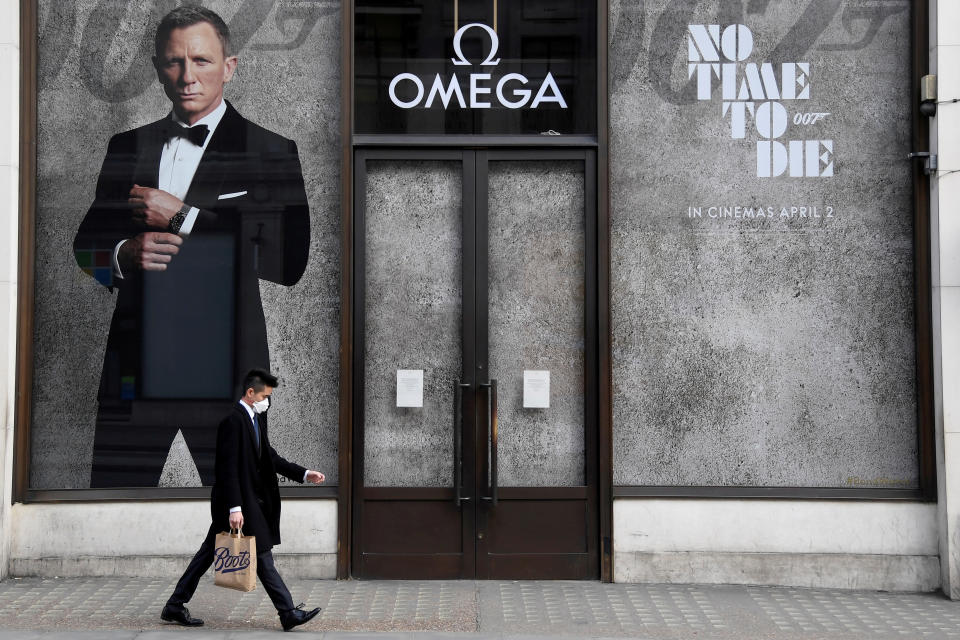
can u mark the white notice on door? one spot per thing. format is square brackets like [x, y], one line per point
[409, 387]
[536, 389]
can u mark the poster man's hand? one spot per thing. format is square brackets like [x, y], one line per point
[153, 207]
[315, 477]
[150, 251]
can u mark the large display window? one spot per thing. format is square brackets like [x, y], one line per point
[770, 283]
[170, 260]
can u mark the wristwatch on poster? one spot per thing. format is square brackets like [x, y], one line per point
[177, 220]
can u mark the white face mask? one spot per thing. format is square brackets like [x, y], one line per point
[261, 405]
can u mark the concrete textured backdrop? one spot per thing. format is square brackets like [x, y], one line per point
[413, 319]
[95, 80]
[762, 352]
[536, 275]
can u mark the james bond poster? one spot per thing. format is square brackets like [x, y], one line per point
[762, 243]
[188, 231]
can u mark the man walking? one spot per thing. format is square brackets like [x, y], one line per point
[245, 494]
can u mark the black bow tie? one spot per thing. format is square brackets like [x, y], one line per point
[196, 134]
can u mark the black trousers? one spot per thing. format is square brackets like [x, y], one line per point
[131, 443]
[266, 573]
[125, 456]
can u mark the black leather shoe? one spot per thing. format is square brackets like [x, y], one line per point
[180, 615]
[296, 617]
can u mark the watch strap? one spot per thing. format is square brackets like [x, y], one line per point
[178, 218]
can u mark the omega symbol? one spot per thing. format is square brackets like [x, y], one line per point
[461, 59]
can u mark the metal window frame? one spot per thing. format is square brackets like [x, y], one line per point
[26, 278]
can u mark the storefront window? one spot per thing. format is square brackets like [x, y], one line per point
[169, 264]
[762, 234]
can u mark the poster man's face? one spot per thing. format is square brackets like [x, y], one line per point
[193, 70]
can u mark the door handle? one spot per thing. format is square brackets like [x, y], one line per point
[492, 430]
[458, 388]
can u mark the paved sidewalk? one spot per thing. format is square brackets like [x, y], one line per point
[128, 608]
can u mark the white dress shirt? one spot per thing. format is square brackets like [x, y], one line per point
[178, 164]
[251, 413]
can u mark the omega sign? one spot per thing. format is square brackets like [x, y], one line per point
[480, 89]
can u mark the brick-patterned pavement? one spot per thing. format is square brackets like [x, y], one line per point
[494, 609]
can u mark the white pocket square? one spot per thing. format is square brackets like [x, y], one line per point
[226, 196]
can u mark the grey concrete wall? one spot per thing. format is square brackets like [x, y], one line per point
[95, 80]
[762, 351]
[536, 304]
[413, 319]
[880, 544]
[105, 538]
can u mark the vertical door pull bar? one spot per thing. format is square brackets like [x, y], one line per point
[492, 430]
[458, 388]
[494, 482]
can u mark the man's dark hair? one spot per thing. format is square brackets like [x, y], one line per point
[186, 16]
[257, 379]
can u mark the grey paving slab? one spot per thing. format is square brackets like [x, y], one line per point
[201, 634]
[208, 634]
[455, 636]
[264, 635]
[334, 635]
[69, 635]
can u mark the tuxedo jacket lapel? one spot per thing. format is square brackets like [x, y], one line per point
[227, 142]
[150, 141]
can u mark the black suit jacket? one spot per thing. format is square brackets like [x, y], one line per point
[202, 318]
[247, 479]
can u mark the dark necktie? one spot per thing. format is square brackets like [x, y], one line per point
[196, 134]
[256, 432]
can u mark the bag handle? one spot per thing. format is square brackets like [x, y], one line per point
[239, 532]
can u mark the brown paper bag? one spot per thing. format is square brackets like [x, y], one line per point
[235, 561]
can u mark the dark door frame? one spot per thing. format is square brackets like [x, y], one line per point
[351, 142]
[592, 374]
[475, 371]
[426, 495]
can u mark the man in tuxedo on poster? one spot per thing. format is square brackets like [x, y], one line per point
[190, 212]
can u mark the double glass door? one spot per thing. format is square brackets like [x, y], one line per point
[475, 360]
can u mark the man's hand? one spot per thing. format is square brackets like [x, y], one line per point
[153, 207]
[150, 251]
[236, 520]
[315, 477]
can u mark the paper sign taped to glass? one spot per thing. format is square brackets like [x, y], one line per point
[410, 387]
[536, 389]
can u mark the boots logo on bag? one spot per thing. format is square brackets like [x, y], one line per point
[226, 563]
